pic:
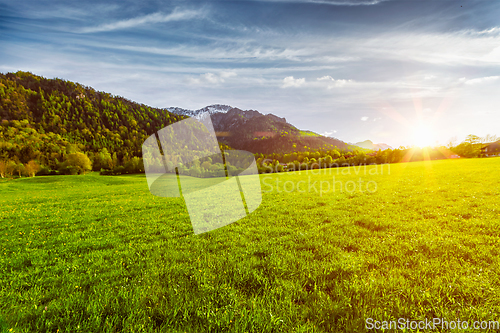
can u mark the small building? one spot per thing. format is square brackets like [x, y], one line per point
[491, 149]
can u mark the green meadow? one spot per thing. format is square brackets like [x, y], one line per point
[102, 254]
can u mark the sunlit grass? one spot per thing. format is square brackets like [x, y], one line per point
[101, 254]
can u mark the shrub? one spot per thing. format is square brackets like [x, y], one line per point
[76, 163]
[44, 171]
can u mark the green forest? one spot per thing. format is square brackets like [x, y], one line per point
[53, 126]
[58, 124]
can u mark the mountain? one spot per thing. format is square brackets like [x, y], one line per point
[260, 133]
[44, 119]
[367, 144]
[47, 119]
[211, 109]
[383, 146]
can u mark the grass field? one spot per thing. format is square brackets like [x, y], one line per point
[101, 254]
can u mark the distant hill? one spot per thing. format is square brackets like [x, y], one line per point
[260, 133]
[367, 144]
[40, 117]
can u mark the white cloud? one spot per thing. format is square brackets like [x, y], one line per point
[211, 78]
[492, 56]
[480, 80]
[452, 48]
[289, 81]
[227, 74]
[336, 83]
[491, 31]
[176, 15]
[340, 83]
[328, 133]
[364, 118]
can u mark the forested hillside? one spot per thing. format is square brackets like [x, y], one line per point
[261, 133]
[267, 134]
[47, 119]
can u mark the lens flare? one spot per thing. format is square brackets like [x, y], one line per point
[423, 135]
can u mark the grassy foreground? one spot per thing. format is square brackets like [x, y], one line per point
[101, 254]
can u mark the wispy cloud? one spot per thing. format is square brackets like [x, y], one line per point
[211, 78]
[66, 11]
[491, 31]
[480, 80]
[229, 52]
[347, 2]
[334, 2]
[159, 17]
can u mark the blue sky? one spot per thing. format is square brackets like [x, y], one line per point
[352, 69]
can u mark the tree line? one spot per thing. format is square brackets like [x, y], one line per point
[471, 147]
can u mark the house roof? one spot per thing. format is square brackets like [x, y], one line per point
[494, 145]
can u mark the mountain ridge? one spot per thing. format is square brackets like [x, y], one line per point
[211, 109]
[368, 144]
[260, 133]
[215, 108]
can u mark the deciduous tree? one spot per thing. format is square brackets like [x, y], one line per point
[31, 168]
[80, 161]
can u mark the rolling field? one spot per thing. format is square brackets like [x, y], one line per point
[101, 254]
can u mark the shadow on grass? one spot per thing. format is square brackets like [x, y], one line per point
[4, 328]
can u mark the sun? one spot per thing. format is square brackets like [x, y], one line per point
[423, 135]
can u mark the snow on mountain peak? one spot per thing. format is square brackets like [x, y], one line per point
[211, 109]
